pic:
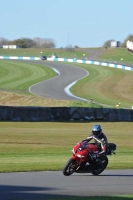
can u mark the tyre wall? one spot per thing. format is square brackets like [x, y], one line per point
[47, 114]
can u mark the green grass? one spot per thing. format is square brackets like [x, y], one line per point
[37, 52]
[120, 55]
[20, 76]
[111, 54]
[105, 85]
[116, 197]
[30, 146]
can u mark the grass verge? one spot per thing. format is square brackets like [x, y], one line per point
[105, 85]
[125, 197]
[20, 76]
[30, 146]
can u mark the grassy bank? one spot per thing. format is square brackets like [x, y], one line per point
[120, 55]
[105, 85]
[20, 76]
[34, 52]
[47, 146]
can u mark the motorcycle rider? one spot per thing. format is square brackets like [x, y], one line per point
[100, 141]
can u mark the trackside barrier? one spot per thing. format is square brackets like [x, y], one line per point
[18, 58]
[50, 114]
[71, 61]
[92, 63]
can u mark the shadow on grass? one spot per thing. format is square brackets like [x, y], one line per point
[40, 193]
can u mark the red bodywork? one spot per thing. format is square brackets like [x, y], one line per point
[82, 150]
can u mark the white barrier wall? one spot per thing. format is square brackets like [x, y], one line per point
[92, 63]
[71, 60]
[19, 58]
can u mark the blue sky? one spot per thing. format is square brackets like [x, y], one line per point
[86, 23]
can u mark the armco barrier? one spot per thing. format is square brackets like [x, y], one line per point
[44, 114]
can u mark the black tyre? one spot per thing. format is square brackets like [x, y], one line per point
[101, 167]
[69, 167]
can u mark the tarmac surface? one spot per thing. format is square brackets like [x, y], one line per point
[58, 87]
[52, 184]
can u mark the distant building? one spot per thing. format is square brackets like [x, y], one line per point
[115, 44]
[129, 46]
[5, 47]
[10, 46]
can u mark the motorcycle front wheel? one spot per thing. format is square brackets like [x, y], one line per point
[69, 167]
[101, 167]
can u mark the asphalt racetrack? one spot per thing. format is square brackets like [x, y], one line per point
[58, 87]
[45, 185]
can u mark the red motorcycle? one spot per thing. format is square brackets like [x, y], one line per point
[83, 160]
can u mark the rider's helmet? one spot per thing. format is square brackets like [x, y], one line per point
[96, 130]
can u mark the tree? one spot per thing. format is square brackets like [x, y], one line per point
[44, 42]
[23, 42]
[38, 42]
[130, 38]
[3, 41]
[76, 46]
[107, 44]
[30, 43]
[48, 43]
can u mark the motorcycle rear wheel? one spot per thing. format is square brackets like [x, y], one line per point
[101, 168]
[69, 167]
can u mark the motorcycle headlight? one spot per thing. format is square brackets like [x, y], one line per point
[80, 156]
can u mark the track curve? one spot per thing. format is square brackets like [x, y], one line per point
[43, 185]
[58, 87]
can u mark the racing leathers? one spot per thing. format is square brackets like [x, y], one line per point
[101, 142]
